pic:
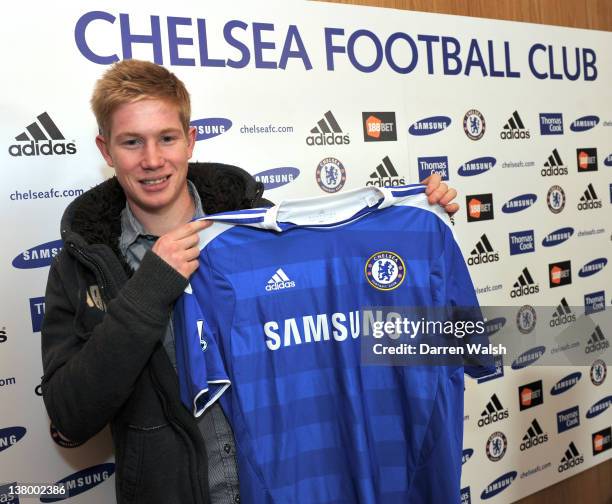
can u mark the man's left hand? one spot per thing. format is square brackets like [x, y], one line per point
[438, 192]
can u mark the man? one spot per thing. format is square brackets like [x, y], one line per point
[129, 249]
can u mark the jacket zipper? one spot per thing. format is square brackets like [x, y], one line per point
[104, 283]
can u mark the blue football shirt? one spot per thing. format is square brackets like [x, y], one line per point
[271, 326]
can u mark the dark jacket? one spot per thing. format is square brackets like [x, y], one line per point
[101, 343]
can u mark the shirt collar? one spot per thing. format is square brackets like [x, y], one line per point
[132, 229]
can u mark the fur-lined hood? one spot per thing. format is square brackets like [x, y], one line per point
[95, 216]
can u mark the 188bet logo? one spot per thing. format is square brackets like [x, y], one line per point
[385, 270]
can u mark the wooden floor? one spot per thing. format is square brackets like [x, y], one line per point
[593, 486]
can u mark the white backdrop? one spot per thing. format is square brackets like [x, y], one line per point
[263, 76]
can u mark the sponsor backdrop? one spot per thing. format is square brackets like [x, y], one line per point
[318, 98]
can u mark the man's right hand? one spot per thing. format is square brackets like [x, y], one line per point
[179, 248]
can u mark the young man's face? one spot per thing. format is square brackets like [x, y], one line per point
[149, 151]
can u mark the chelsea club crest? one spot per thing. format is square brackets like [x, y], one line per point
[385, 270]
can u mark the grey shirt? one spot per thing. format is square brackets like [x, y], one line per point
[216, 431]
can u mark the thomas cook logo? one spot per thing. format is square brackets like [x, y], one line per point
[385, 270]
[41, 138]
[82, 481]
[210, 127]
[39, 256]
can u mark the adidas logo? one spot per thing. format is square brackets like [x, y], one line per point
[385, 175]
[597, 342]
[514, 128]
[327, 132]
[562, 315]
[554, 165]
[41, 138]
[535, 436]
[493, 412]
[589, 199]
[524, 285]
[483, 252]
[279, 281]
[571, 459]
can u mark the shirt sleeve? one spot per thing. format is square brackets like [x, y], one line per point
[202, 375]
[456, 293]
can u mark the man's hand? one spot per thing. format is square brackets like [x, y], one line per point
[179, 248]
[438, 192]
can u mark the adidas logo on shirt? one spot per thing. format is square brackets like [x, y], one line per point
[597, 342]
[514, 129]
[535, 436]
[589, 200]
[327, 132]
[524, 285]
[41, 138]
[483, 252]
[571, 459]
[493, 412]
[279, 281]
[563, 314]
[385, 175]
[554, 165]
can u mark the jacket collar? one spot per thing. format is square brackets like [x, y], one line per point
[95, 216]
